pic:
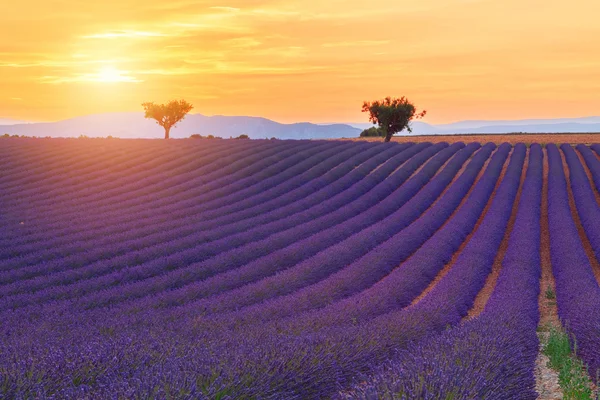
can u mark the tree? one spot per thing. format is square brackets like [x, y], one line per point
[373, 131]
[392, 114]
[243, 136]
[167, 115]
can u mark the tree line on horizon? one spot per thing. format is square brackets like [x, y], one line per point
[392, 115]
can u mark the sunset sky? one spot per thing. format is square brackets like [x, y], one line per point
[301, 60]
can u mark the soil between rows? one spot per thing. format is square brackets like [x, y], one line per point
[541, 138]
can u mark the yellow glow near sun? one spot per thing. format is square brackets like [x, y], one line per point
[111, 74]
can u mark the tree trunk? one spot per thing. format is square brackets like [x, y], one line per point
[167, 130]
[387, 133]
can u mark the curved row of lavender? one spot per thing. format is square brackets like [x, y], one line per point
[492, 355]
[157, 261]
[577, 290]
[260, 269]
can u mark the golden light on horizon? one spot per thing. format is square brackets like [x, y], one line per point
[301, 60]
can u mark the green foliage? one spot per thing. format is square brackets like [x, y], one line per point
[243, 136]
[392, 114]
[167, 115]
[574, 380]
[373, 131]
[572, 373]
[558, 348]
[550, 295]
[196, 136]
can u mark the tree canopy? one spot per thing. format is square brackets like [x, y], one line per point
[392, 114]
[167, 115]
[373, 131]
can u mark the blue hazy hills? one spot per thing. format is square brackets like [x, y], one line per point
[134, 125]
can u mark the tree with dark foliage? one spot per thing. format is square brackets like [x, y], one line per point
[373, 131]
[392, 114]
[167, 115]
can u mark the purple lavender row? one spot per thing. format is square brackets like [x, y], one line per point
[382, 281]
[330, 210]
[110, 176]
[54, 152]
[116, 353]
[74, 243]
[340, 353]
[341, 263]
[44, 168]
[91, 225]
[42, 162]
[150, 179]
[101, 185]
[228, 184]
[12, 156]
[596, 148]
[172, 237]
[255, 165]
[493, 355]
[219, 181]
[592, 163]
[583, 193]
[292, 275]
[305, 184]
[107, 172]
[189, 259]
[577, 291]
[241, 165]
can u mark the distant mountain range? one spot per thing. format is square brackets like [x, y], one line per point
[10, 122]
[556, 125]
[134, 125]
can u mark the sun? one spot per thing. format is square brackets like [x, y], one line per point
[109, 74]
[112, 74]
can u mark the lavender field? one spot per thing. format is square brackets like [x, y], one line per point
[275, 269]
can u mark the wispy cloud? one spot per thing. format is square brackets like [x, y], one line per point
[227, 9]
[98, 77]
[357, 43]
[125, 34]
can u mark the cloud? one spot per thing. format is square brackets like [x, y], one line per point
[357, 43]
[111, 76]
[125, 34]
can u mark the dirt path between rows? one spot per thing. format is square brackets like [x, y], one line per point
[457, 253]
[546, 378]
[542, 138]
[490, 283]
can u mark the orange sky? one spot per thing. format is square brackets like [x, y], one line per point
[301, 60]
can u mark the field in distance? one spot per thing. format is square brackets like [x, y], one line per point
[512, 138]
[276, 269]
